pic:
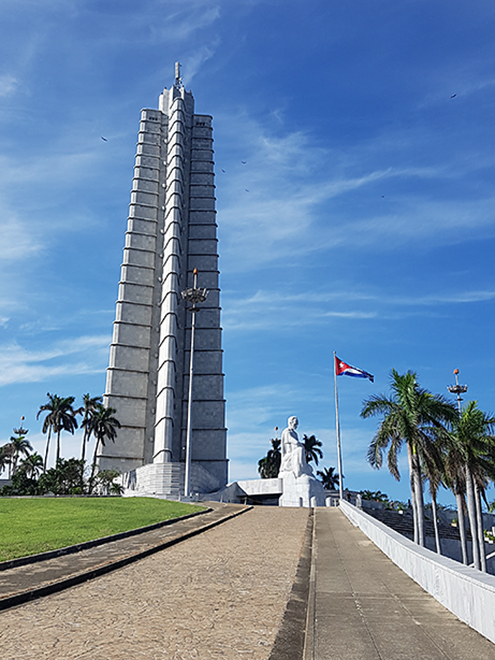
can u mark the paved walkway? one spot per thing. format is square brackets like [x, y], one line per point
[221, 594]
[39, 578]
[362, 607]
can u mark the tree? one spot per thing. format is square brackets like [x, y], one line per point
[19, 445]
[329, 478]
[104, 427]
[32, 465]
[374, 496]
[105, 483]
[90, 405]
[6, 457]
[61, 416]
[433, 474]
[64, 479]
[454, 479]
[410, 417]
[269, 466]
[473, 446]
[312, 449]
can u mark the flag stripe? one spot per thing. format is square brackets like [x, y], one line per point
[344, 369]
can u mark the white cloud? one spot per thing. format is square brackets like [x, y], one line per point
[193, 62]
[263, 310]
[19, 240]
[81, 355]
[286, 195]
[8, 84]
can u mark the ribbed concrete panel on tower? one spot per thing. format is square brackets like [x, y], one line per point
[171, 230]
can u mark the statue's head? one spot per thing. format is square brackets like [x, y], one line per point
[293, 422]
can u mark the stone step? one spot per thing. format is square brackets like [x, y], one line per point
[403, 523]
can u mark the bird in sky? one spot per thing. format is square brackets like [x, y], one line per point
[453, 96]
[243, 162]
[104, 139]
[246, 189]
[223, 171]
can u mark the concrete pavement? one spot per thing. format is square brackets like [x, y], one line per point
[362, 607]
[220, 594]
[253, 587]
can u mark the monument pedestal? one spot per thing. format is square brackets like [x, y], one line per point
[304, 490]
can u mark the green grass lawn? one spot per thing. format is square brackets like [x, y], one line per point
[36, 525]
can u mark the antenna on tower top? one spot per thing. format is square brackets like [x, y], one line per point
[178, 76]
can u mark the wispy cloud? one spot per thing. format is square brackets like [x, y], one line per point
[19, 240]
[81, 355]
[264, 309]
[288, 195]
[193, 61]
[8, 84]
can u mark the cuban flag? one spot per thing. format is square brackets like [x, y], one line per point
[344, 369]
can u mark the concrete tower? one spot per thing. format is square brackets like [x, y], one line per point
[171, 230]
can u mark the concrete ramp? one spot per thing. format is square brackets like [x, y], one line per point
[362, 607]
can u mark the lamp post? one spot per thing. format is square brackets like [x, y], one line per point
[457, 389]
[193, 296]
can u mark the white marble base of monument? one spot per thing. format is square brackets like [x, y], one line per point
[166, 480]
[304, 490]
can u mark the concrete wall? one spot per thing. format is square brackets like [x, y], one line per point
[466, 592]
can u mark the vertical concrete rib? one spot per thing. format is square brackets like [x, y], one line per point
[167, 352]
[209, 433]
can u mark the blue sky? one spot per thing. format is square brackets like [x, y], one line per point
[362, 222]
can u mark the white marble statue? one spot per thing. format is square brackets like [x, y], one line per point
[300, 487]
[293, 453]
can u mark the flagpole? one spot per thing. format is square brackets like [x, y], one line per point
[337, 421]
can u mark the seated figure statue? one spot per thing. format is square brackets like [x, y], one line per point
[300, 487]
[293, 452]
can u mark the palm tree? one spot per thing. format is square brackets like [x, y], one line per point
[269, 466]
[454, 478]
[433, 472]
[312, 449]
[19, 446]
[329, 478]
[410, 416]
[89, 408]
[6, 457]
[474, 444]
[60, 417]
[32, 465]
[103, 426]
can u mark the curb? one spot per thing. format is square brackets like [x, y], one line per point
[86, 545]
[65, 583]
[290, 640]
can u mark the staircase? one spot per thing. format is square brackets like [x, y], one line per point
[403, 523]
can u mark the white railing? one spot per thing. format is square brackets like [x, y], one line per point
[465, 591]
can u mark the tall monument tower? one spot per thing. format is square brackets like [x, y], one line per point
[171, 231]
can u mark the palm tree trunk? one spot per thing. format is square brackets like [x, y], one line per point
[435, 522]
[418, 489]
[421, 508]
[93, 464]
[47, 448]
[479, 520]
[414, 502]
[57, 457]
[472, 517]
[461, 524]
[85, 439]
